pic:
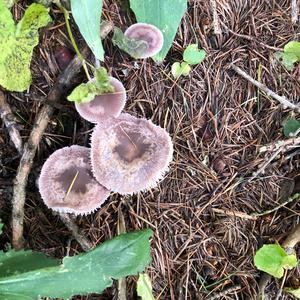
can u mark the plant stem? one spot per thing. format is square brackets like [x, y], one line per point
[73, 42]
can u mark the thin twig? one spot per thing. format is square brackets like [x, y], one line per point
[293, 198]
[295, 10]
[225, 292]
[286, 103]
[10, 123]
[288, 143]
[62, 84]
[69, 221]
[217, 28]
[231, 213]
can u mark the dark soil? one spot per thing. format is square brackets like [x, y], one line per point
[218, 121]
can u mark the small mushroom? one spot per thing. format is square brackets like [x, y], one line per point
[67, 184]
[148, 33]
[105, 105]
[130, 154]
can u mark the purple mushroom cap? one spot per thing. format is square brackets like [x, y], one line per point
[104, 106]
[148, 33]
[67, 184]
[130, 154]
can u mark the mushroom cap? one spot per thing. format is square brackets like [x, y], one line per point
[148, 33]
[130, 154]
[66, 182]
[105, 105]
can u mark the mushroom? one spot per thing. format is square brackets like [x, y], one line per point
[129, 154]
[148, 33]
[105, 105]
[66, 182]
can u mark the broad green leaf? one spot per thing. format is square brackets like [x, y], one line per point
[18, 262]
[293, 47]
[164, 14]
[131, 46]
[87, 15]
[86, 92]
[12, 296]
[273, 259]
[290, 126]
[144, 287]
[126, 254]
[294, 292]
[179, 69]
[192, 55]
[17, 43]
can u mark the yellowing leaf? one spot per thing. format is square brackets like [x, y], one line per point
[144, 287]
[179, 69]
[86, 92]
[17, 43]
[273, 259]
[294, 292]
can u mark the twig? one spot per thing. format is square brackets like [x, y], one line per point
[224, 292]
[286, 103]
[291, 142]
[217, 28]
[121, 228]
[69, 221]
[289, 243]
[234, 213]
[293, 198]
[10, 123]
[62, 84]
[295, 10]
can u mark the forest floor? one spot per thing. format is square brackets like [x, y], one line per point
[205, 235]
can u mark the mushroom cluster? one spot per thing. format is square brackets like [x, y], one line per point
[127, 154]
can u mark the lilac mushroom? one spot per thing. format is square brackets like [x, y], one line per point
[148, 33]
[105, 105]
[66, 182]
[130, 154]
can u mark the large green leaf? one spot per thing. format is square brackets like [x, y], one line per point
[126, 254]
[164, 14]
[18, 262]
[87, 15]
[17, 43]
[273, 259]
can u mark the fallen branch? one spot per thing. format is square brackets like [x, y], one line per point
[294, 11]
[62, 84]
[10, 123]
[217, 28]
[286, 103]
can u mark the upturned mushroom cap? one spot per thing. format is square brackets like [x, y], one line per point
[66, 182]
[129, 154]
[148, 33]
[104, 106]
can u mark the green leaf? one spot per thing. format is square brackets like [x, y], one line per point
[131, 46]
[10, 3]
[179, 69]
[273, 259]
[164, 14]
[192, 55]
[17, 43]
[18, 262]
[12, 296]
[1, 226]
[290, 126]
[294, 292]
[87, 15]
[86, 92]
[144, 287]
[293, 47]
[126, 254]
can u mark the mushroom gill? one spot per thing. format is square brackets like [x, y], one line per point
[66, 182]
[130, 154]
